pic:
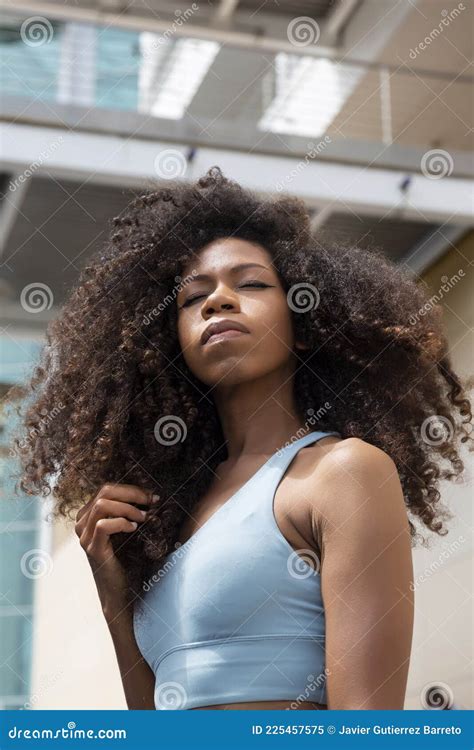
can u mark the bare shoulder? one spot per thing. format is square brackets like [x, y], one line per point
[355, 478]
[356, 455]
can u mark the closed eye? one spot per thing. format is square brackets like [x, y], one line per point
[254, 284]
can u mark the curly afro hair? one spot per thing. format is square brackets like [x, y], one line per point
[111, 366]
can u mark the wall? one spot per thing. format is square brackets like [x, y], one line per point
[443, 640]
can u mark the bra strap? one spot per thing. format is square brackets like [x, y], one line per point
[286, 454]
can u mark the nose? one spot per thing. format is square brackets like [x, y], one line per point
[219, 300]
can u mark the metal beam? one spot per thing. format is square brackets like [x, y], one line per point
[10, 205]
[252, 39]
[321, 218]
[340, 16]
[360, 49]
[427, 252]
[111, 160]
[217, 133]
[225, 10]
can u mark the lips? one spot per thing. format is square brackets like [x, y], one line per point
[221, 327]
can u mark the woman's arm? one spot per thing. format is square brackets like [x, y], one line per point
[111, 511]
[137, 677]
[361, 521]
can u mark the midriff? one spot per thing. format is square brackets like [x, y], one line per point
[305, 705]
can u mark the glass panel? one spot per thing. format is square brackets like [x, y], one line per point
[15, 657]
[17, 361]
[20, 565]
[118, 58]
[21, 562]
[29, 54]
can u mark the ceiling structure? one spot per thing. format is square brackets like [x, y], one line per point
[265, 76]
[261, 78]
[65, 223]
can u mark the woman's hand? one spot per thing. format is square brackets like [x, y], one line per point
[111, 511]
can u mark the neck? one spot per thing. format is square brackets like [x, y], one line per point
[259, 416]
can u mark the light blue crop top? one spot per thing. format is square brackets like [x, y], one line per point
[235, 614]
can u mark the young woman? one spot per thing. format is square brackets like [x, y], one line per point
[251, 423]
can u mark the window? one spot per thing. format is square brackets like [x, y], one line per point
[21, 556]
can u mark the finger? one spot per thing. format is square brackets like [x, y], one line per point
[98, 547]
[84, 509]
[121, 493]
[127, 493]
[104, 508]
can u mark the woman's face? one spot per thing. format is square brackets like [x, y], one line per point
[233, 280]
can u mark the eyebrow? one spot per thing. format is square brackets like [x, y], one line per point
[239, 267]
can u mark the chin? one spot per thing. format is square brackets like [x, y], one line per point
[229, 371]
[225, 377]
